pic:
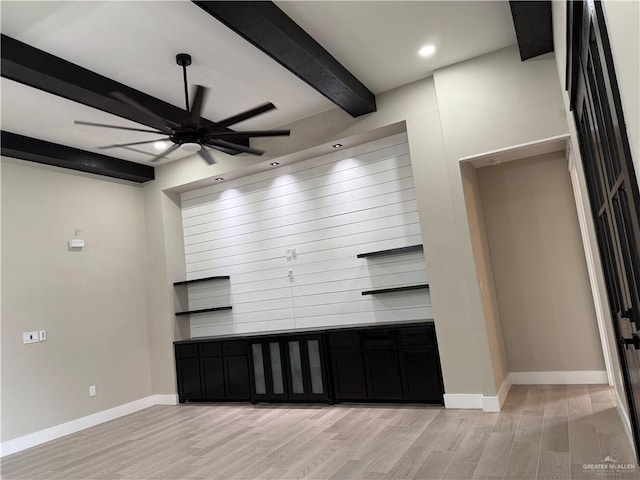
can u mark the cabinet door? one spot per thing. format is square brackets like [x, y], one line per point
[306, 373]
[381, 365]
[420, 374]
[236, 368]
[268, 371]
[347, 365]
[189, 387]
[348, 374]
[383, 373]
[212, 378]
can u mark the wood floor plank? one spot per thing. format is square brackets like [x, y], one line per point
[530, 426]
[517, 395]
[556, 402]
[409, 464]
[507, 422]
[534, 400]
[291, 442]
[459, 471]
[601, 394]
[523, 462]
[616, 446]
[555, 434]
[435, 465]
[473, 443]
[554, 466]
[351, 469]
[583, 441]
[495, 456]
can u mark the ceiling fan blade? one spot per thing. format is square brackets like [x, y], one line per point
[206, 156]
[165, 153]
[246, 115]
[132, 103]
[234, 146]
[252, 133]
[134, 143]
[91, 124]
[138, 150]
[196, 106]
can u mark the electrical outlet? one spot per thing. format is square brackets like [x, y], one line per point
[92, 390]
[42, 335]
[30, 337]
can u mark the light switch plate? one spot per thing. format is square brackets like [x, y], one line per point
[30, 337]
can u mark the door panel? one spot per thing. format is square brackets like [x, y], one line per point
[189, 369]
[212, 378]
[383, 373]
[236, 368]
[348, 374]
[612, 185]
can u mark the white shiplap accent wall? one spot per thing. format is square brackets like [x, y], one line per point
[329, 209]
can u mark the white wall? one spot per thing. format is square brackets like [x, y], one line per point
[328, 209]
[489, 103]
[91, 302]
[512, 102]
[541, 278]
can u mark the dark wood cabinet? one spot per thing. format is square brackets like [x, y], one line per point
[386, 364]
[212, 371]
[360, 364]
[347, 365]
[188, 370]
[236, 368]
[289, 368]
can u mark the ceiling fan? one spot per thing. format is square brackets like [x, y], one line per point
[191, 135]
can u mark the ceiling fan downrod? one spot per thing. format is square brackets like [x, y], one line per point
[184, 60]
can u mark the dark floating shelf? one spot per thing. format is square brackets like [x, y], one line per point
[392, 251]
[396, 289]
[187, 282]
[204, 310]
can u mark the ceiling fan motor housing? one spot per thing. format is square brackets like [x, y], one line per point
[183, 59]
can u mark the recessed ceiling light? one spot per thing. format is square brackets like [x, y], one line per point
[336, 145]
[427, 50]
[161, 145]
[219, 179]
[274, 164]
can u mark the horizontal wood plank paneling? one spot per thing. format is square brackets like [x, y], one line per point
[329, 209]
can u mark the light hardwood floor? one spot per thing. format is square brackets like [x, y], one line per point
[543, 432]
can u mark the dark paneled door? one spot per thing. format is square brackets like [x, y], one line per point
[611, 182]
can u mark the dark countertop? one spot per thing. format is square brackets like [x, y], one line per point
[232, 336]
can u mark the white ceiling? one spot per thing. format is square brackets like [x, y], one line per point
[378, 41]
[135, 43]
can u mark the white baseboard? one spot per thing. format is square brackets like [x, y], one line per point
[478, 401]
[559, 378]
[165, 399]
[494, 404]
[36, 438]
[463, 400]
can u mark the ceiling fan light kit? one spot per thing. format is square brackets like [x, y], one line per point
[193, 135]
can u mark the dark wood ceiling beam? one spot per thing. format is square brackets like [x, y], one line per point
[534, 28]
[38, 69]
[268, 28]
[40, 151]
